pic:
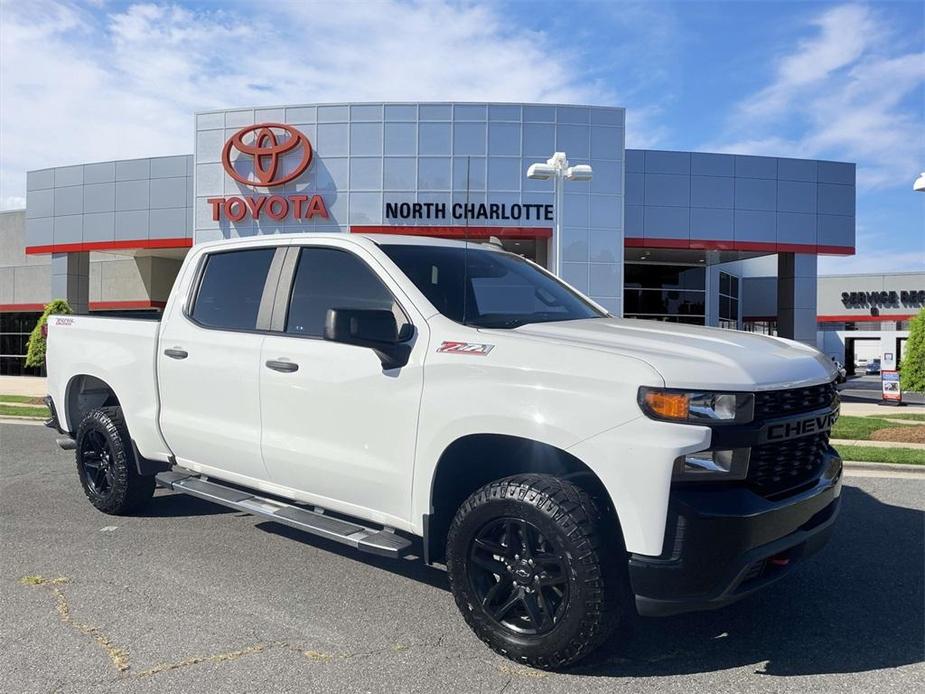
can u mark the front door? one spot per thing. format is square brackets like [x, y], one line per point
[338, 428]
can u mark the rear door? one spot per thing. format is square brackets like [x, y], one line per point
[209, 363]
[336, 426]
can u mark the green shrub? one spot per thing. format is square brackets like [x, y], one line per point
[35, 352]
[912, 373]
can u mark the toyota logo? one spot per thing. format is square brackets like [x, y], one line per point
[267, 145]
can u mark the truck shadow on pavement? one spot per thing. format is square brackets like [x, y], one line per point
[170, 505]
[858, 605]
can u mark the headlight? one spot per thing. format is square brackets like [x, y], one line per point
[697, 407]
[730, 464]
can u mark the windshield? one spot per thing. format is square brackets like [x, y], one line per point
[502, 290]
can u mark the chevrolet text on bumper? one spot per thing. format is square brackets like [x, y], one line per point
[369, 390]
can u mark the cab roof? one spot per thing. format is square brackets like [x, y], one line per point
[378, 239]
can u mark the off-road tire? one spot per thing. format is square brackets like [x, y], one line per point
[122, 491]
[594, 562]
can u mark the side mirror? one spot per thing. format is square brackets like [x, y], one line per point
[373, 328]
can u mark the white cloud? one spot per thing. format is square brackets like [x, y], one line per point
[851, 91]
[77, 84]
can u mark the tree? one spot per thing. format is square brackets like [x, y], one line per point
[35, 352]
[912, 373]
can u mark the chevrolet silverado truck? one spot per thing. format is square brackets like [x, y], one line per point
[567, 468]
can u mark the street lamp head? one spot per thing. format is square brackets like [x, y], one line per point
[919, 185]
[579, 172]
[541, 172]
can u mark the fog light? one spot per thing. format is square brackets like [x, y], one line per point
[727, 464]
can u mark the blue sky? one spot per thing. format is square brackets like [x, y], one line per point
[84, 81]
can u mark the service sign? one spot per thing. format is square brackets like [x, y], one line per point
[892, 391]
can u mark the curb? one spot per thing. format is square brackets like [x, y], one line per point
[32, 421]
[883, 467]
[877, 444]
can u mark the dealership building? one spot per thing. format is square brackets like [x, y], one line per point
[713, 239]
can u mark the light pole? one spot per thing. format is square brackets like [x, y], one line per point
[919, 185]
[557, 168]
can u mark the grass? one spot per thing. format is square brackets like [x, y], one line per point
[24, 399]
[870, 454]
[860, 428]
[23, 411]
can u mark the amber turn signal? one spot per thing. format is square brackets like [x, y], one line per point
[667, 405]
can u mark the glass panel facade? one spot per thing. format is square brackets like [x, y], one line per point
[669, 302]
[469, 138]
[14, 337]
[665, 292]
[400, 138]
[434, 138]
[370, 158]
[728, 300]
[762, 327]
[651, 276]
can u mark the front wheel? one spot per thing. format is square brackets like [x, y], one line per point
[532, 571]
[106, 464]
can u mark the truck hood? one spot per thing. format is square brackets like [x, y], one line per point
[690, 356]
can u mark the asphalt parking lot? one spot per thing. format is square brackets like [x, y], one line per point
[196, 598]
[868, 389]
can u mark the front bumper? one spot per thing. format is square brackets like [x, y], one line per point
[724, 542]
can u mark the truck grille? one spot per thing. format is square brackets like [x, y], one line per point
[778, 403]
[777, 468]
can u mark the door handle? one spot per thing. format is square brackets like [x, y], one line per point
[283, 366]
[176, 353]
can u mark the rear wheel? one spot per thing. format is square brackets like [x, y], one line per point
[532, 571]
[106, 464]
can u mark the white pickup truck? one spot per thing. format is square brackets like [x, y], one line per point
[568, 468]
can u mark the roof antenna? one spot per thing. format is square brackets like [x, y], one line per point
[466, 242]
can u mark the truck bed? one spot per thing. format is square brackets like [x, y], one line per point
[120, 352]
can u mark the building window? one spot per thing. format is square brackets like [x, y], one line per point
[728, 300]
[762, 327]
[674, 293]
[14, 337]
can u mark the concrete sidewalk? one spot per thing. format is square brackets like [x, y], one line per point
[876, 444]
[863, 409]
[32, 386]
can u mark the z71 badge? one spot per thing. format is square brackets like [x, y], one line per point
[465, 348]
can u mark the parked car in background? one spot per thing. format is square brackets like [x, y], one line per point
[873, 367]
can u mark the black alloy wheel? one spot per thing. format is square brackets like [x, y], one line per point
[106, 463]
[519, 576]
[538, 573]
[97, 460]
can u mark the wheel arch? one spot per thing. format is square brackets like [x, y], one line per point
[86, 392]
[474, 460]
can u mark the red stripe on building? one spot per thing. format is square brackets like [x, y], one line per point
[125, 305]
[94, 306]
[728, 245]
[456, 232]
[130, 244]
[16, 308]
[864, 318]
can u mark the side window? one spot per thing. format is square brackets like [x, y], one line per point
[231, 288]
[330, 278]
